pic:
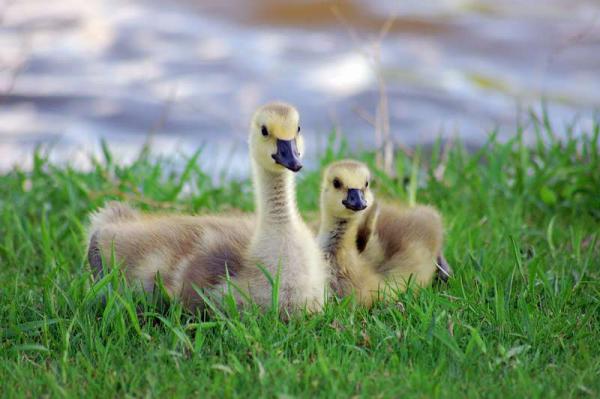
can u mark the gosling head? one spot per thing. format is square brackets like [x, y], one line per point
[275, 140]
[345, 191]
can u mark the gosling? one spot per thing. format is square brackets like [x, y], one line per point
[345, 197]
[374, 248]
[209, 252]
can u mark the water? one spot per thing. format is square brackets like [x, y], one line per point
[190, 72]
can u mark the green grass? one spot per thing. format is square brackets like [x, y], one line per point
[521, 318]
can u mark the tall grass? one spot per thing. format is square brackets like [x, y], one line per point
[521, 318]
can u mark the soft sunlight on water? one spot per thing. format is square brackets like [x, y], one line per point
[190, 72]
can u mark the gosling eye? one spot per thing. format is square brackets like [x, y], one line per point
[298, 128]
[264, 131]
[337, 183]
[367, 184]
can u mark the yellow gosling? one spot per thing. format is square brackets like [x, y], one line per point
[199, 252]
[345, 197]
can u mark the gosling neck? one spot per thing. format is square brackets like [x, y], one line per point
[336, 234]
[275, 197]
[337, 240]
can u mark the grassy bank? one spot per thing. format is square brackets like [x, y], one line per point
[521, 318]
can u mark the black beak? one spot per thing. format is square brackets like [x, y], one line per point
[355, 200]
[287, 155]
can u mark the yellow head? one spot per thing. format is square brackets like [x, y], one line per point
[275, 140]
[345, 191]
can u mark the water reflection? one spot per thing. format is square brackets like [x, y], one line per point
[191, 72]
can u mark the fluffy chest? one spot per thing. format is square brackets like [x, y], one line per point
[292, 250]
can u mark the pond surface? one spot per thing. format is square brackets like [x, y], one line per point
[189, 72]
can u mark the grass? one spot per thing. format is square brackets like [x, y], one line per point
[521, 318]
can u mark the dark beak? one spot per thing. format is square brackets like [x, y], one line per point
[355, 200]
[287, 155]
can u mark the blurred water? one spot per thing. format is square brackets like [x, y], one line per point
[190, 72]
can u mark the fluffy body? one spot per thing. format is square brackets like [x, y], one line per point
[201, 251]
[403, 244]
[284, 245]
[186, 251]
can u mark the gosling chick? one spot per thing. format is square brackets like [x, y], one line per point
[282, 243]
[374, 247]
[193, 253]
[345, 197]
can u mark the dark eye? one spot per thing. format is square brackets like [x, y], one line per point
[298, 128]
[337, 183]
[264, 131]
[367, 184]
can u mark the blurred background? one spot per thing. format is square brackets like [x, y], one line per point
[187, 73]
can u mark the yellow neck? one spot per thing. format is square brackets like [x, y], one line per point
[275, 197]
